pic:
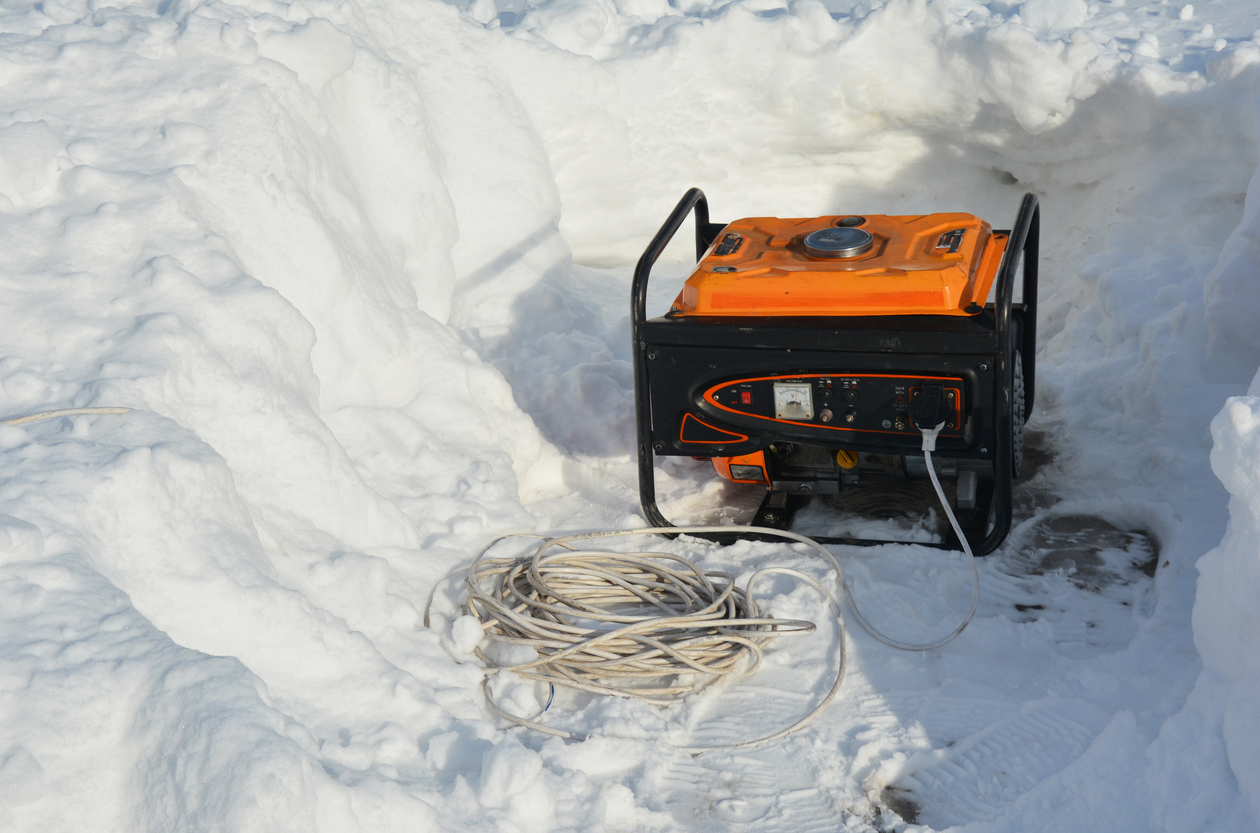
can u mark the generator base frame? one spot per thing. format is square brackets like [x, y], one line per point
[683, 364]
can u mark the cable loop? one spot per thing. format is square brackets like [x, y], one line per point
[649, 625]
[645, 624]
[640, 619]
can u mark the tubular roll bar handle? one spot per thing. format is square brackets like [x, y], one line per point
[695, 200]
[1024, 240]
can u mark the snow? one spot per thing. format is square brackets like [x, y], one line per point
[361, 270]
[1226, 613]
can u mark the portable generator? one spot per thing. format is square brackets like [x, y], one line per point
[800, 351]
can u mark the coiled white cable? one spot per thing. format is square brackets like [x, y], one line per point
[569, 607]
[597, 615]
[629, 623]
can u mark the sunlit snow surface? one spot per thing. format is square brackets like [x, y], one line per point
[361, 269]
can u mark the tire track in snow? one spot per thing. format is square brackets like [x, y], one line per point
[766, 789]
[1087, 579]
[761, 790]
[978, 777]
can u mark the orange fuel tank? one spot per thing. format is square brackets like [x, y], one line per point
[934, 264]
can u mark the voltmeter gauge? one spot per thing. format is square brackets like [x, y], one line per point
[793, 400]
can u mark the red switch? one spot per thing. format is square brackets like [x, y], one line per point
[745, 397]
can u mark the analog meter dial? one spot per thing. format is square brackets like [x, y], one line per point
[793, 400]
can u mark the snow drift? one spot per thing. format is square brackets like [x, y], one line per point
[361, 270]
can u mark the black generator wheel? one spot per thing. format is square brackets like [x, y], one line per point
[1017, 415]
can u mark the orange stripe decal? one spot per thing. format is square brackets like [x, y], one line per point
[706, 434]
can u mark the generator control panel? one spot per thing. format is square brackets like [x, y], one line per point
[841, 402]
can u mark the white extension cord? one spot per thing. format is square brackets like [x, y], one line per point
[631, 624]
[64, 412]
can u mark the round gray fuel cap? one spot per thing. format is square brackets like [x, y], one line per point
[839, 242]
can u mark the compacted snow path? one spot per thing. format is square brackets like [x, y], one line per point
[360, 269]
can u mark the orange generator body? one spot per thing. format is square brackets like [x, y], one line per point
[795, 348]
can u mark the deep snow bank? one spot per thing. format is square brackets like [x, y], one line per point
[242, 222]
[1226, 610]
[321, 249]
[1227, 607]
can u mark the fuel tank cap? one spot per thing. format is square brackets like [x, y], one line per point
[839, 242]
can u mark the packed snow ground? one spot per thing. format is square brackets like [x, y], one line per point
[361, 269]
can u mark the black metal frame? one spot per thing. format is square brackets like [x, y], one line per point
[989, 333]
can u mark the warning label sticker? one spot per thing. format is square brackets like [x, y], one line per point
[730, 245]
[951, 240]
